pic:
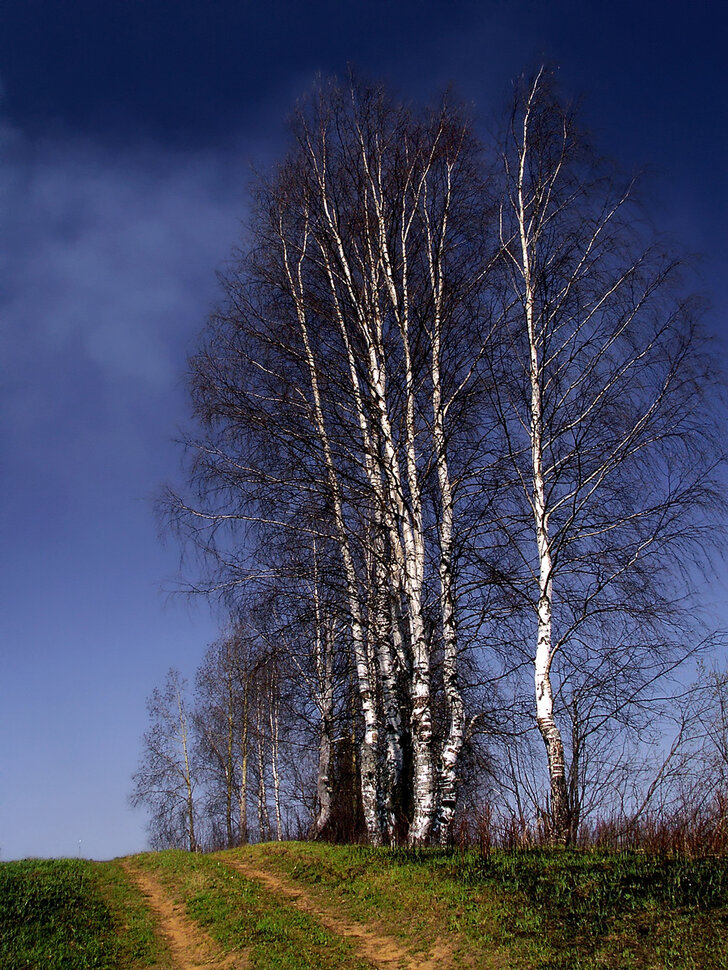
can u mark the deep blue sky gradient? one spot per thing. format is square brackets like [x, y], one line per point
[127, 132]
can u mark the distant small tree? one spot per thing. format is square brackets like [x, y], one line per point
[217, 718]
[165, 780]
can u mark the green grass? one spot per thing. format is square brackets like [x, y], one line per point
[528, 910]
[550, 910]
[239, 914]
[139, 947]
[66, 914]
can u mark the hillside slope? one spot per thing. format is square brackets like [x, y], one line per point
[298, 906]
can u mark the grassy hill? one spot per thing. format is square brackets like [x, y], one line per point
[298, 906]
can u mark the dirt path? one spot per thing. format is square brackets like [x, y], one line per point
[191, 947]
[382, 951]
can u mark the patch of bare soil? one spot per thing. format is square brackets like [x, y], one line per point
[382, 951]
[190, 946]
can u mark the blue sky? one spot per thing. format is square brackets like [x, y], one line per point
[127, 134]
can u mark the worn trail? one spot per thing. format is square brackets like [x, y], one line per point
[382, 951]
[190, 946]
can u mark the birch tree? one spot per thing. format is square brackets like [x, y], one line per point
[226, 683]
[602, 387]
[217, 719]
[386, 196]
[166, 779]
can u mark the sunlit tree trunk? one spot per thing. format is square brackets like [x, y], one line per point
[401, 477]
[368, 756]
[244, 750]
[229, 757]
[323, 659]
[382, 650]
[262, 800]
[544, 654]
[386, 555]
[407, 538]
[455, 737]
[184, 743]
[274, 706]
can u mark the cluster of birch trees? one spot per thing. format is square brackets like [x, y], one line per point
[456, 463]
[212, 771]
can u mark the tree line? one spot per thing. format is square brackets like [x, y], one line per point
[455, 462]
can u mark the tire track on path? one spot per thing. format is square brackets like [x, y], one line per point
[382, 951]
[190, 946]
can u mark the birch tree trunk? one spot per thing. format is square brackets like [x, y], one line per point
[368, 757]
[263, 816]
[527, 230]
[184, 739]
[244, 750]
[400, 480]
[600, 353]
[323, 659]
[274, 708]
[323, 774]
[387, 569]
[376, 279]
[452, 746]
[229, 749]
[391, 703]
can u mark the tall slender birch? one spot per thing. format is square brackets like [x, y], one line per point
[436, 237]
[528, 231]
[216, 719]
[404, 481]
[599, 386]
[368, 759]
[357, 273]
[383, 531]
[244, 754]
[260, 746]
[274, 718]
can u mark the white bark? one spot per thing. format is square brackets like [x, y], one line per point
[544, 653]
[409, 511]
[385, 571]
[274, 705]
[323, 657]
[244, 746]
[455, 737]
[263, 816]
[229, 750]
[189, 795]
[371, 253]
[383, 647]
[368, 756]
